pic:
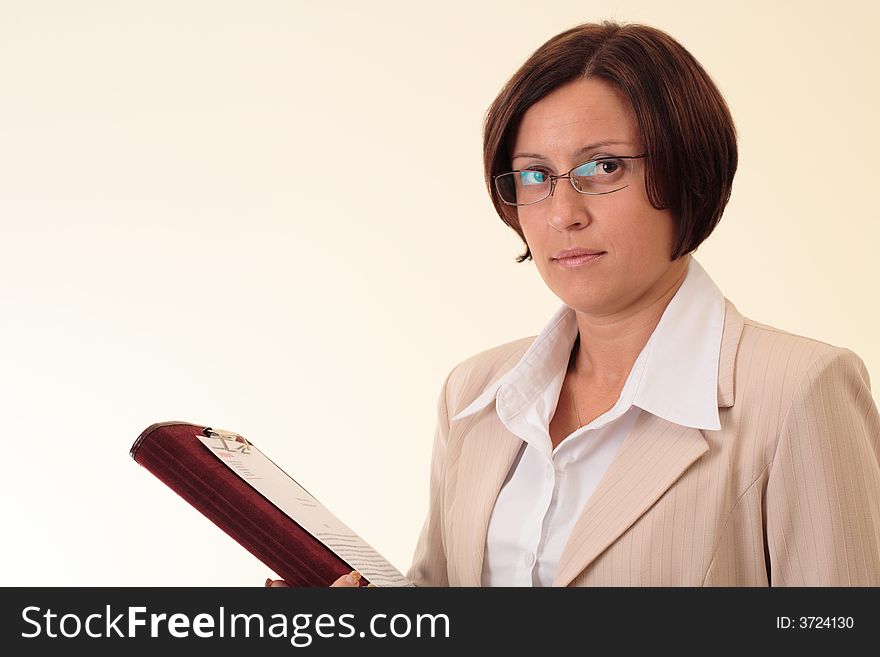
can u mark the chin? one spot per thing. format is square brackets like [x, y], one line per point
[585, 304]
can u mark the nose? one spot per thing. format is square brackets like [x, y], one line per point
[567, 207]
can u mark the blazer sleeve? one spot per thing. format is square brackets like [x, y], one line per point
[429, 561]
[822, 502]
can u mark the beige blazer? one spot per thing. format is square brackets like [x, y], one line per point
[786, 493]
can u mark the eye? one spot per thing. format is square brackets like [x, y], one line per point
[601, 168]
[608, 166]
[533, 177]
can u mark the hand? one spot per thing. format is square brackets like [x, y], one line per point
[352, 579]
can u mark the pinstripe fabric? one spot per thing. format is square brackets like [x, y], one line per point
[786, 493]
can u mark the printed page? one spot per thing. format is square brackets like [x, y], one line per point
[283, 491]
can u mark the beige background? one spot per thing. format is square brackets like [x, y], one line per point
[270, 217]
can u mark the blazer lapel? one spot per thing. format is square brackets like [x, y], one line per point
[652, 457]
[486, 458]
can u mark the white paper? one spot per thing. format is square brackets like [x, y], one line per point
[284, 492]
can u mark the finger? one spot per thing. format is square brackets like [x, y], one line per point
[351, 579]
[277, 583]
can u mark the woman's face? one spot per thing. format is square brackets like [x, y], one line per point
[636, 238]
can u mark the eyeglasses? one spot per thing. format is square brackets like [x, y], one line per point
[603, 175]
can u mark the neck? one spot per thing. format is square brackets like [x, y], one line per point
[611, 344]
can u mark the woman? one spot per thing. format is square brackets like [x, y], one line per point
[650, 435]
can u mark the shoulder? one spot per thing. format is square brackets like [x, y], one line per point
[770, 343]
[770, 358]
[476, 373]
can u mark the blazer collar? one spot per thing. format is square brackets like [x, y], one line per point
[730, 337]
[652, 457]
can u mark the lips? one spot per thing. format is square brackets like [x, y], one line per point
[576, 252]
[582, 258]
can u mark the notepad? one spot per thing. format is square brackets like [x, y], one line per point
[235, 485]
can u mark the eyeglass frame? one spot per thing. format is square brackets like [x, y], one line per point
[554, 178]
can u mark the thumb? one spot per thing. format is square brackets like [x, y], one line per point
[351, 579]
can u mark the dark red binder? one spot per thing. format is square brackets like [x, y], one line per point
[175, 455]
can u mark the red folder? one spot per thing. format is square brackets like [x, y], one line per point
[175, 455]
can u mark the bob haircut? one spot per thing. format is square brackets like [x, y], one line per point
[684, 123]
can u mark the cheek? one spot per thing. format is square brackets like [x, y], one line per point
[648, 234]
[531, 228]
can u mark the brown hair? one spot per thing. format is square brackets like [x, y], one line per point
[684, 123]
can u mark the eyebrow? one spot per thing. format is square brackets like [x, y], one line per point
[580, 151]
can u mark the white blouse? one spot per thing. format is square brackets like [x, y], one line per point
[675, 377]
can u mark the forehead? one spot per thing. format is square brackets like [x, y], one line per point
[580, 112]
